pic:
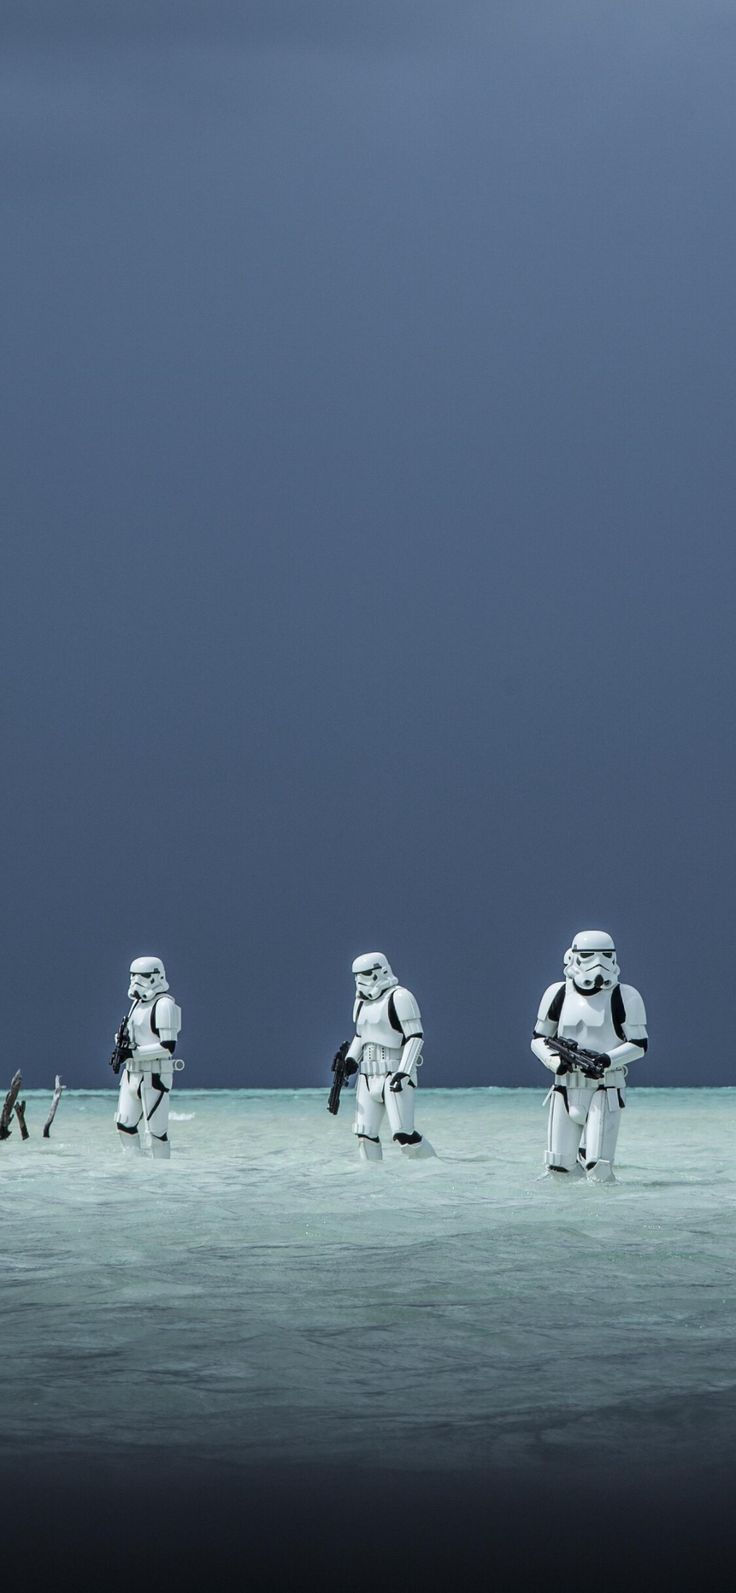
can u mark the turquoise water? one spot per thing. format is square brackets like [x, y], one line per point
[265, 1295]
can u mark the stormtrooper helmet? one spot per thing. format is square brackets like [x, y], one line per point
[591, 962]
[147, 978]
[373, 975]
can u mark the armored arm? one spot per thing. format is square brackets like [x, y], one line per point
[409, 1019]
[545, 1027]
[633, 1030]
[168, 1019]
[168, 1022]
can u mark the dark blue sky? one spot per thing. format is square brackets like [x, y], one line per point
[369, 471]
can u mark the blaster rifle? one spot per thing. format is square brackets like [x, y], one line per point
[122, 1048]
[591, 1063]
[343, 1070]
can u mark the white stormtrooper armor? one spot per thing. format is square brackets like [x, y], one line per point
[153, 1025]
[387, 1051]
[591, 1007]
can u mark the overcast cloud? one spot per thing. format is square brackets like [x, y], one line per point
[369, 454]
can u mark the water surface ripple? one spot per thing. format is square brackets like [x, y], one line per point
[264, 1296]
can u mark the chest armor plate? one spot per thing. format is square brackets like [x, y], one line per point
[588, 1020]
[140, 1028]
[374, 1025]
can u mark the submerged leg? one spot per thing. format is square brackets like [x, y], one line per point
[155, 1095]
[563, 1137]
[369, 1110]
[369, 1149]
[400, 1113]
[129, 1113]
[129, 1139]
[604, 1121]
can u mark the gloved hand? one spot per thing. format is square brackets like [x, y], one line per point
[397, 1082]
[126, 1053]
[604, 1060]
[351, 1067]
[562, 1067]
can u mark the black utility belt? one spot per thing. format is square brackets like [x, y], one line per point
[608, 1089]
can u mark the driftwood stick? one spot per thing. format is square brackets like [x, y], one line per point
[20, 1113]
[8, 1108]
[58, 1087]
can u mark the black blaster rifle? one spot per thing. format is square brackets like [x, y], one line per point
[343, 1069]
[592, 1063]
[122, 1050]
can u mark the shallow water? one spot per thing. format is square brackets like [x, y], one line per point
[265, 1296]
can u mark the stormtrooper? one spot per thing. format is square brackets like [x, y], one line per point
[588, 1030]
[386, 1054]
[145, 1045]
